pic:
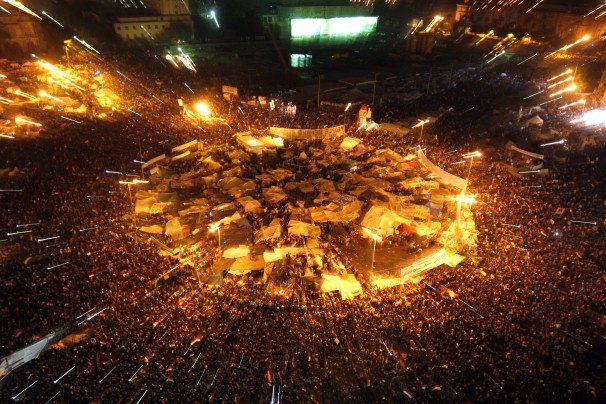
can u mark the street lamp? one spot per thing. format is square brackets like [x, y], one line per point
[216, 227]
[374, 88]
[421, 123]
[462, 198]
[130, 197]
[376, 237]
[345, 115]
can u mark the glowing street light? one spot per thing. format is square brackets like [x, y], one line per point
[421, 123]
[486, 35]
[216, 227]
[203, 109]
[129, 183]
[376, 237]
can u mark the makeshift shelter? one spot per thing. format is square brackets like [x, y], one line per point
[534, 121]
[271, 232]
[176, 229]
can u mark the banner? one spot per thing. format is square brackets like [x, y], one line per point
[428, 262]
[230, 90]
[526, 152]
[155, 160]
[193, 145]
[441, 174]
[307, 134]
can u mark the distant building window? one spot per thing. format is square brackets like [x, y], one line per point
[118, 28]
[134, 27]
[148, 26]
[126, 27]
[156, 26]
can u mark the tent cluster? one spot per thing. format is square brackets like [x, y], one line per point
[282, 213]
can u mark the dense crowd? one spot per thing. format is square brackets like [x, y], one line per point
[523, 320]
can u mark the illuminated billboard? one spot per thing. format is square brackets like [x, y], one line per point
[332, 30]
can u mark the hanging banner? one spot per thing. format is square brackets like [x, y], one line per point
[441, 174]
[307, 134]
[526, 152]
[426, 263]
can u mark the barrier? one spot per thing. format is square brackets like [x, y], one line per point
[307, 134]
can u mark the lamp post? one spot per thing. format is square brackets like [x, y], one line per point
[216, 228]
[130, 197]
[421, 123]
[345, 115]
[376, 237]
[374, 89]
[462, 197]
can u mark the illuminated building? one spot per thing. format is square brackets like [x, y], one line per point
[307, 25]
[20, 34]
[169, 19]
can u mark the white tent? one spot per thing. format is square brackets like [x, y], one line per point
[534, 121]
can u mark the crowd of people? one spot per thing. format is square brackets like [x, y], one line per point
[521, 319]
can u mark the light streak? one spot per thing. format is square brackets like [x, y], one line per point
[28, 224]
[52, 19]
[512, 235]
[52, 68]
[552, 143]
[52, 398]
[547, 102]
[141, 398]
[136, 113]
[6, 136]
[57, 266]
[420, 123]
[51, 80]
[213, 382]
[458, 162]
[112, 172]
[18, 232]
[571, 87]
[46, 239]
[134, 374]
[70, 119]
[19, 120]
[566, 47]
[472, 154]
[6, 101]
[83, 42]
[595, 9]
[486, 35]
[436, 19]
[532, 186]
[171, 60]
[581, 101]
[5, 10]
[20, 6]
[214, 16]
[11, 190]
[26, 95]
[94, 196]
[186, 85]
[529, 172]
[512, 225]
[24, 390]
[147, 32]
[536, 4]
[121, 74]
[527, 59]
[64, 374]
[43, 93]
[569, 78]
[105, 377]
[496, 56]
[88, 229]
[581, 222]
[85, 313]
